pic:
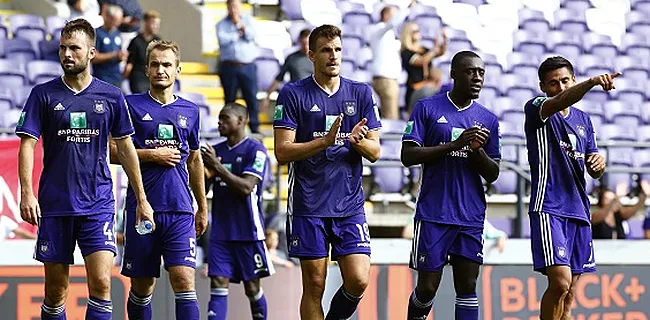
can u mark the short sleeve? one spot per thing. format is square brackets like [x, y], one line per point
[256, 162]
[285, 114]
[493, 145]
[30, 121]
[122, 126]
[592, 147]
[370, 110]
[532, 112]
[284, 69]
[416, 126]
[193, 139]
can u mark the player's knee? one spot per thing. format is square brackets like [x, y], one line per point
[251, 288]
[219, 282]
[99, 285]
[356, 285]
[466, 286]
[55, 293]
[142, 286]
[559, 286]
[314, 285]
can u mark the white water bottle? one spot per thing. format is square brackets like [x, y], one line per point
[145, 227]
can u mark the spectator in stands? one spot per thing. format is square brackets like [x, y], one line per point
[238, 51]
[8, 226]
[297, 64]
[416, 59]
[431, 86]
[106, 64]
[83, 8]
[609, 221]
[278, 258]
[386, 62]
[133, 13]
[134, 70]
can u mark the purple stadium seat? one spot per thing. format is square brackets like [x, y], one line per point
[457, 45]
[533, 20]
[7, 101]
[12, 72]
[193, 96]
[10, 118]
[512, 130]
[571, 21]
[630, 91]
[347, 6]
[210, 124]
[615, 132]
[361, 76]
[4, 34]
[591, 65]
[637, 22]
[642, 134]
[391, 126]
[352, 45]
[267, 53]
[529, 42]
[391, 179]
[267, 70]
[54, 25]
[596, 95]
[594, 109]
[421, 9]
[599, 45]
[636, 45]
[291, 9]
[614, 179]
[39, 71]
[516, 86]
[19, 50]
[348, 66]
[645, 112]
[506, 183]
[565, 44]
[524, 64]
[34, 36]
[641, 5]
[26, 21]
[622, 114]
[430, 24]
[508, 152]
[503, 224]
[49, 50]
[633, 68]
[358, 19]
[642, 156]
[475, 3]
[516, 118]
[296, 27]
[577, 5]
[489, 92]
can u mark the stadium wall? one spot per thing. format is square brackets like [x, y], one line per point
[507, 287]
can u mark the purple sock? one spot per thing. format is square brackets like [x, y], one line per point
[138, 308]
[98, 309]
[53, 313]
[343, 305]
[218, 305]
[467, 307]
[187, 306]
[258, 306]
[418, 310]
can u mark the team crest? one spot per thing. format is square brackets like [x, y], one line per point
[99, 107]
[182, 121]
[561, 251]
[581, 130]
[43, 246]
[350, 107]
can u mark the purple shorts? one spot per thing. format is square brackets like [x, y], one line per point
[57, 237]
[174, 239]
[239, 260]
[556, 240]
[311, 237]
[433, 243]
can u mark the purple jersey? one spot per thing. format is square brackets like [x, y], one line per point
[173, 125]
[327, 184]
[75, 129]
[451, 189]
[236, 217]
[556, 152]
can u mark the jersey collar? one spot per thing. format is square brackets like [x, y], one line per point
[75, 92]
[237, 145]
[457, 107]
[162, 104]
[329, 95]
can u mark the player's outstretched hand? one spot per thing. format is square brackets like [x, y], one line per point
[330, 138]
[466, 137]
[606, 81]
[30, 211]
[596, 162]
[144, 212]
[201, 221]
[168, 157]
[359, 131]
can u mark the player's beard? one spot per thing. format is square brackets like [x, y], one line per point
[75, 69]
[161, 86]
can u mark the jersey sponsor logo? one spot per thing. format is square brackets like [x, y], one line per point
[340, 137]
[278, 113]
[538, 101]
[442, 120]
[59, 107]
[182, 121]
[99, 107]
[260, 161]
[165, 131]
[21, 120]
[350, 107]
[329, 121]
[409, 128]
[147, 117]
[456, 132]
[571, 147]
[314, 108]
[78, 120]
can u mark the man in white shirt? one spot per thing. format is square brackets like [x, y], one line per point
[8, 226]
[387, 63]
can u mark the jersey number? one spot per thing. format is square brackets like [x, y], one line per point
[193, 247]
[364, 232]
[108, 232]
[259, 262]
